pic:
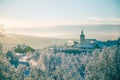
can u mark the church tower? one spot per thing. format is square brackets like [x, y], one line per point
[82, 37]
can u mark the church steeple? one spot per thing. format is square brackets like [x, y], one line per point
[82, 37]
[82, 31]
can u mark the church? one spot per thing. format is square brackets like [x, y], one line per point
[91, 43]
[83, 40]
[86, 43]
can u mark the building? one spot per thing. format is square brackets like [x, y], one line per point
[23, 49]
[93, 43]
[85, 45]
[82, 37]
[83, 40]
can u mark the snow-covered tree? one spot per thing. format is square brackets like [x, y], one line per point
[104, 65]
[49, 65]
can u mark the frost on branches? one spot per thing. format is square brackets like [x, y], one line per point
[47, 65]
[104, 65]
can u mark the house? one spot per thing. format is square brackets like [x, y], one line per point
[23, 49]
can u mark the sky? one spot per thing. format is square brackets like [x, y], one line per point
[56, 18]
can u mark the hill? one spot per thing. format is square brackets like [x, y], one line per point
[11, 40]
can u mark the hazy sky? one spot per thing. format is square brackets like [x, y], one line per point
[44, 16]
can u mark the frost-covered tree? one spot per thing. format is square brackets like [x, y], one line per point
[3, 64]
[8, 71]
[57, 66]
[49, 65]
[104, 65]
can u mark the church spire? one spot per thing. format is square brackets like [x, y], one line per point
[82, 31]
[82, 37]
